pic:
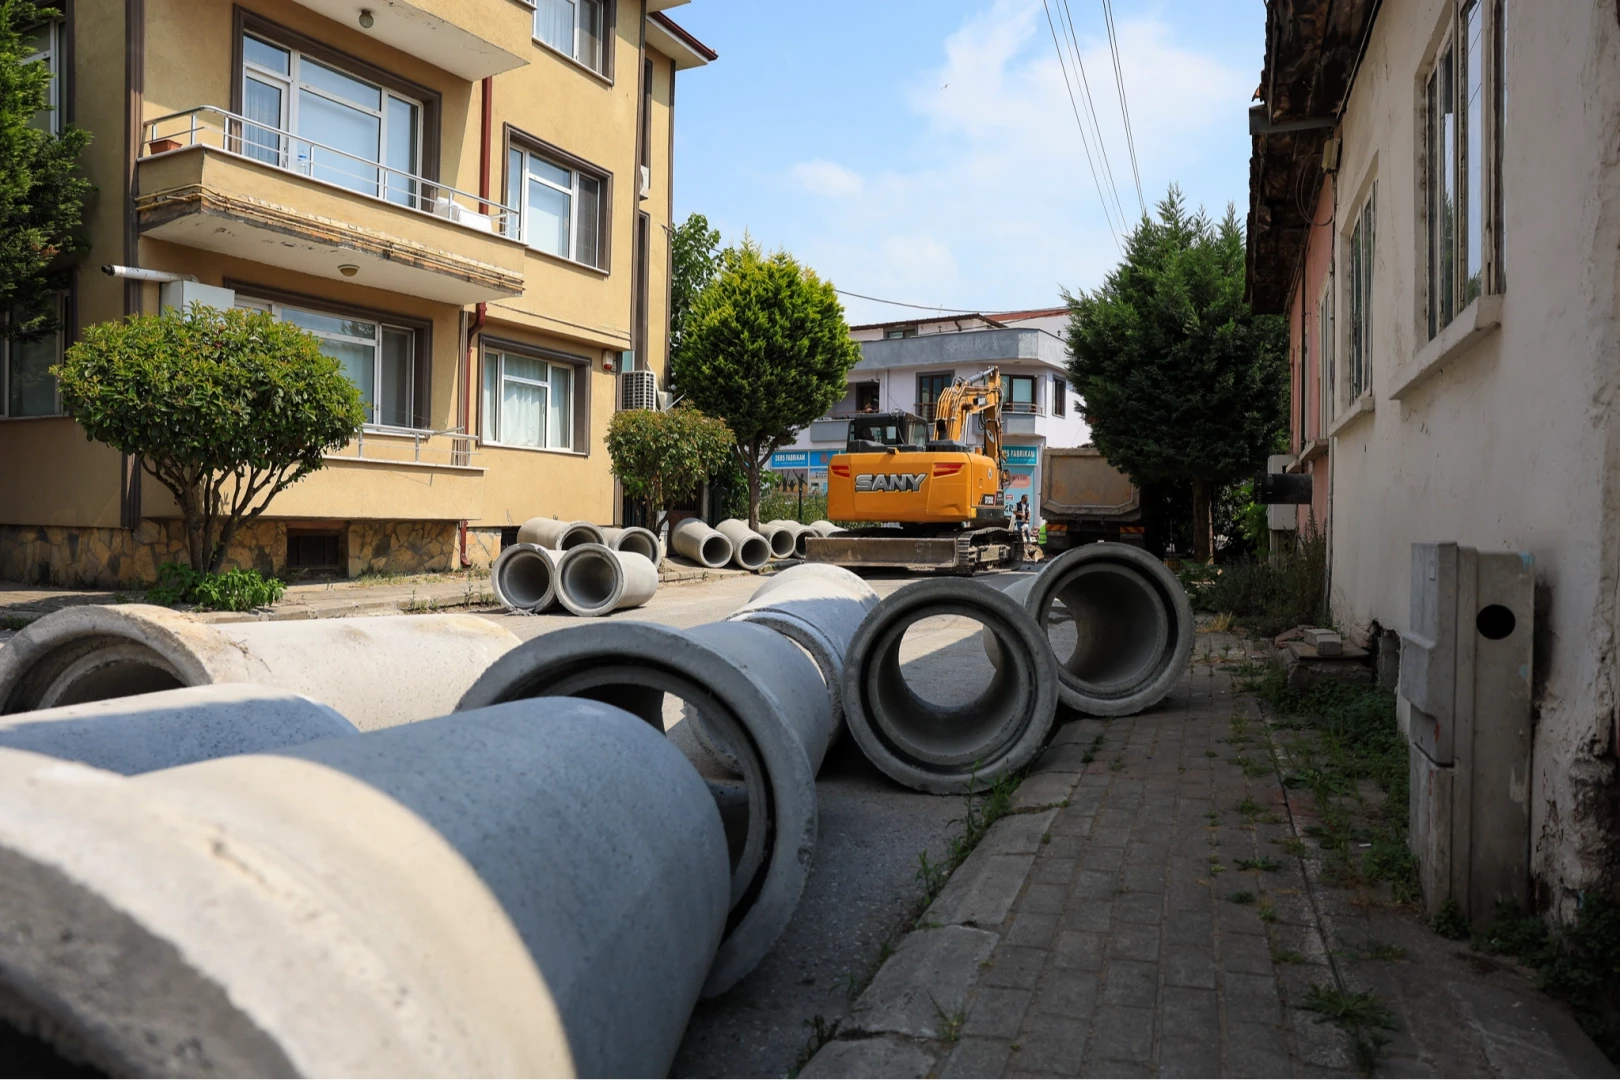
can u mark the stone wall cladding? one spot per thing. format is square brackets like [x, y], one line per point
[96, 558]
[482, 547]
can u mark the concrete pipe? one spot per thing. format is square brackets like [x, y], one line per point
[1119, 623]
[694, 539]
[524, 577]
[825, 528]
[147, 732]
[596, 580]
[643, 542]
[337, 909]
[819, 607]
[377, 671]
[949, 749]
[780, 537]
[558, 535]
[749, 549]
[764, 698]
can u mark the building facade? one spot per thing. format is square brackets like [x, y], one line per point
[906, 365]
[467, 201]
[1435, 206]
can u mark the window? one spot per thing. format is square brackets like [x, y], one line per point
[1461, 162]
[1060, 396]
[929, 387]
[575, 28]
[1358, 294]
[297, 111]
[43, 44]
[528, 401]
[378, 358]
[26, 382]
[1021, 394]
[560, 209]
[311, 550]
[866, 397]
[900, 332]
[1324, 360]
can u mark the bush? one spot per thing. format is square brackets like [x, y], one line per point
[1269, 596]
[233, 590]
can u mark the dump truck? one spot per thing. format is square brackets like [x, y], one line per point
[1085, 499]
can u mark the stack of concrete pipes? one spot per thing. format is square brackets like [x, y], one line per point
[587, 569]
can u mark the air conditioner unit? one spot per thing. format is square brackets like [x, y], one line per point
[646, 181]
[638, 390]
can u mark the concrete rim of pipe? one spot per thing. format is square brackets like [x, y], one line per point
[633, 665]
[524, 577]
[749, 550]
[559, 535]
[634, 538]
[694, 538]
[1133, 626]
[779, 537]
[594, 580]
[950, 750]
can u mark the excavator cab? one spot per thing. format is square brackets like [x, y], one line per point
[876, 433]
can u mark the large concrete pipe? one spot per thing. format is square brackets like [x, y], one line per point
[822, 527]
[800, 533]
[377, 671]
[1125, 630]
[596, 580]
[819, 607]
[780, 537]
[694, 539]
[558, 535]
[764, 699]
[338, 909]
[749, 549]
[949, 749]
[524, 577]
[147, 732]
[643, 542]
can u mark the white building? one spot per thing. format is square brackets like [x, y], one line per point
[905, 365]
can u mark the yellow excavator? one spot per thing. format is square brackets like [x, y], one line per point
[919, 496]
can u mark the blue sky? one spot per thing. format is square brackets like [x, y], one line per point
[926, 151]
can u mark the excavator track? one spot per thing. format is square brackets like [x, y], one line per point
[965, 552]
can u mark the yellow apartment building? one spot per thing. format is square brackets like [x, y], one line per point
[467, 201]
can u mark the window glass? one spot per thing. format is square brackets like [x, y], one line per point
[523, 401]
[396, 378]
[329, 324]
[1473, 151]
[590, 216]
[402, 152]
[1447, 180]
[549, 216]
[30, 386]
[559, 430]
[554, 24]
[262, 104]
[588, 47]
[573, 27]
[266, 55]
[514, 191]
[336, 83]
[1023, 390]
[332, 124]
[550, 173]
[1060, 396]
[39, 46]
[492, 397]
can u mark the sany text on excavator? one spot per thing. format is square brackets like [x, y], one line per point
[922, 497]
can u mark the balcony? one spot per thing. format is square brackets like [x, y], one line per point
[216, 181]
[431, 30]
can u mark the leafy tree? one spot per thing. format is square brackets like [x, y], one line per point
[41, 192]
[662, 458]
[1182, 382]
[223, 408]
[695, 255]
[766, 350]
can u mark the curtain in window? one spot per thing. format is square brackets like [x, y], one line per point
[261, 104]
[549, 215]
[523, 402]
[554, 24]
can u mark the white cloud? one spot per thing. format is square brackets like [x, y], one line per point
[1000, 208]
[827, 179]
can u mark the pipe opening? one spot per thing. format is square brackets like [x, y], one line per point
[716, 550]
[592, 580]
[576, 536]
[27, 1054]
[1109, 628]
[781, 541]
[124, 677]
[640, 543]
[526, 579]
[755, 552]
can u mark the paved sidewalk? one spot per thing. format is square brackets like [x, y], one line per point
[1130, 920]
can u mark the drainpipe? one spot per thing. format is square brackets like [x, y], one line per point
[480, 312]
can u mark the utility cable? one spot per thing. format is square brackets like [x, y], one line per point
[1091, 110]
[1124, 110]
[1064, 67]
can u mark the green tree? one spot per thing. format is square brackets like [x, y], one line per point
[662, 458]
[694, 257]
[1182, 382]
[41, 191]
[765, 349]
[223, 408]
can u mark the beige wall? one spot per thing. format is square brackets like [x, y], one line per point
[1513, 444]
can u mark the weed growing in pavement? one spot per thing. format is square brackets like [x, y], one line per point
[1578, 962]
[1268, 914]
[1211, 753]
[1449, 922]
[1292, 846]
[950, 1025]
[1359, 1015]
[821, 1033]
[1091, 751]
[1241, 897]
[1287, 956]
[1248, 808]
[984, 807]
[1265, 863]
[1373, 949]
[14, 622]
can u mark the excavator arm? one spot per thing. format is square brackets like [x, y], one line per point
[977, 396]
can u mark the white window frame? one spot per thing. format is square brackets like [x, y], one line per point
[520, 174]
[1441, 303]
[6, 347]
[379, 326]
[1360, 248]
[604, 39]
[1326, 380]
[490, 426]
[292, 86]
[51, 56]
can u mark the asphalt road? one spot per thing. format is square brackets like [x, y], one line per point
[862, 889]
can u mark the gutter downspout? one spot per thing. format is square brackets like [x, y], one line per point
[480, 313]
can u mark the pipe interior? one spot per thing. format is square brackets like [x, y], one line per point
[1109, 628]
[27, 1054]
[640, 544]
[592, 579]
[781, 542]
[968, 718]
[800, 543]
[755, 551]
[572, 538]
[526, 578]
[716, 550]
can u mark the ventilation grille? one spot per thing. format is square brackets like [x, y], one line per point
[638, 390]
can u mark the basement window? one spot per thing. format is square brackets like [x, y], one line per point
[313, 550]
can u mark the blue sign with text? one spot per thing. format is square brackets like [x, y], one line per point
[1021, 455]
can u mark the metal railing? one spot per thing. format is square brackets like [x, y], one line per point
[1022, 408]
[235, 134]
[458, 452]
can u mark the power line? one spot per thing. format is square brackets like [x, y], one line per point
[1091, 110]
[1078, 123]
[1124, 110]
[901, 303]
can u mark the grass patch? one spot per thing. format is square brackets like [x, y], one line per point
[1359, 1015]
[1449, 923]
[1242, 897]
[983, 808]
[1265, 863]
[1267, 595]
[821, 1033]
[1578, 963]
[1287, 956]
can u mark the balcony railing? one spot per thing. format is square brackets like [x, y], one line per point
[1022, 408]
[447, 447]
[232, 133]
